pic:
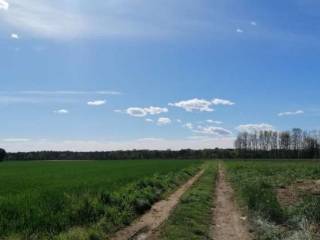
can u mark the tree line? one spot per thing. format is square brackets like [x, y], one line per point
[294, 144]
[274, 144]
[123, 155]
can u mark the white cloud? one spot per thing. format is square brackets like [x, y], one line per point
[4, 5]
[163, 121]
[201, 105]
[253, 23]
[149, 120]
[214, 122]
[188, 125]
[15, 36]
[179, 120]
[218, 101]
[16, 140]
[97, 103]
[255, 127]
[210, 130]
[142, 112]
[298, 112]
[61, 111]
[136, 112]
[155, 110]
[239, 30]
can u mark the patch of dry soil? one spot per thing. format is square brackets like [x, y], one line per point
[293, 194]
[146, 225]
[228, 222]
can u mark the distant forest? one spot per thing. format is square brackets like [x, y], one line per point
[294, 144]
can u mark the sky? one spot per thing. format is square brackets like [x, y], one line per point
[143, 74]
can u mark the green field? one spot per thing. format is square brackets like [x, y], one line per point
[39, 200]
[89, 200]
[282, 197]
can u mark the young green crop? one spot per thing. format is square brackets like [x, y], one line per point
[38, 200]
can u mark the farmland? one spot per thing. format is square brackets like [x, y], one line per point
[282, 198]
[40, 200]
[64, 200]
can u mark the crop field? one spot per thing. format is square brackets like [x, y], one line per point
[45, 200]
[219, 200]
[282, 198]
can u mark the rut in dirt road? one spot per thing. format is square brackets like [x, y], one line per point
[228, 221]
[144, 227]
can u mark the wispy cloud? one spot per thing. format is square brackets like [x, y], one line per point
[142, 112]
[163, 121]
[45, 19]
[208, 130]
[211, 130]
[213, 121]
[255, 127]
[298, 112]
[121, 18]
[97, 103]
[12, 140]
[4, 5]
[14, 97]
[61, 111]
[219, 101]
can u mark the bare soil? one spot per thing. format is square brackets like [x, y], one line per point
[293, 194]
[228, 223]
[147, 224]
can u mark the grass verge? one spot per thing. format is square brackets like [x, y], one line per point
[192, 217]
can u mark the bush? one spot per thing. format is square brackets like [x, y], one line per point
[260, 197]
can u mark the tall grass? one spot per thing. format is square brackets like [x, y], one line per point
[256, 184]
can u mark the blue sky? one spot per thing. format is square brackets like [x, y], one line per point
[123, 74]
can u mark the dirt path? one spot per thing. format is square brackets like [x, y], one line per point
[229, 224]
[149, 222]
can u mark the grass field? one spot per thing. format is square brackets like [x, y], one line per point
[282, 198]
[39, 200]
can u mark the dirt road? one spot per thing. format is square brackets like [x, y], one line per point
[228, 222]
[149, 222]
